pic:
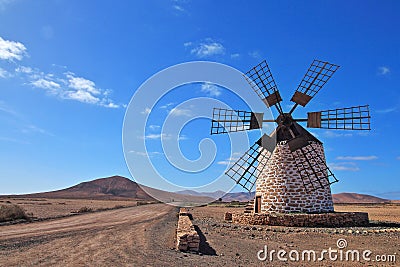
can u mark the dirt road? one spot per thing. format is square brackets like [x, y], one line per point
[116, 237]
[90, 221]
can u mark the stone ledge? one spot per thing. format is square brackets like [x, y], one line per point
[334, 219]
[187, 238]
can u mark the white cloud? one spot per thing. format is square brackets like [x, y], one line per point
[344, 167]
[167, 105]
[386, 110]
[64, 85]
[158, 136]
[24, 69]
[235, 157]
[110, 105]
[10, 50]
[207, 48]
[178, 8]
[154, 127]
[255, 54]
[45, 84]
[81, 96]
[187, 44]
[82, 84]
[332, 134]
[236, 55]
[383, 70]
[146, 154]
[210, 89]
[34, 129]
[146, 111]
[183, 137]
[4, 73]
[357, 158]
[180, 112]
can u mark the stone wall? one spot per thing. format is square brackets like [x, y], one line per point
[281, 187]
[187, 238]
[336, 219]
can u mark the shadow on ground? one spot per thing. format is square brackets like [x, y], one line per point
[204, 248]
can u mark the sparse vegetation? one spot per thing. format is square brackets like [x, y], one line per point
[84, 209]
[11, 212]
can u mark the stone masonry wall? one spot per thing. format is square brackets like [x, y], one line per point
[281, 187]
[337, 219]
[187, 238]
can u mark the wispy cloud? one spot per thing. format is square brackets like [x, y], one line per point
[398, 158]
[206, 48]
[154, 127]
[235, 157]
[45, 84]
[64, 85]
[357, 158]
[157, 136]
[6, 109]
[166, 106]
[345, 166]
[210, 89]
[146, 111]
[183, 137]
[333, 134]
[386, 110]
[4, 3]
[21, 124]
[383, 70]
[178, 8]
[235, 55]
[10, 50]
[146, 154]
[255, 54]
[180, 112]
[4, 73]
[24, 69]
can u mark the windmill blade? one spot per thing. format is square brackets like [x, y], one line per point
[245, 171]
[227, 120]
[261, 80]
[313, 170]
[353, 118]
[315, 78]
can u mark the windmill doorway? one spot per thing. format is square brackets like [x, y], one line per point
[257, 205]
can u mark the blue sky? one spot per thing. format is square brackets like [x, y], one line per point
[68, 69]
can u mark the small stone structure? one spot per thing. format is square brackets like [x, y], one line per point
[281, 190]
[187, 238]
[337, 219]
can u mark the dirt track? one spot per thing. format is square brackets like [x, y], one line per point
[90, 221]
[116, 237]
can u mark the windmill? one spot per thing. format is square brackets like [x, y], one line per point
[288, 166]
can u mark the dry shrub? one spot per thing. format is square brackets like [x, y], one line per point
[84, 209]
[10, 212]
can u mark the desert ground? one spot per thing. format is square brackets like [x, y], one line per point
[143, 235]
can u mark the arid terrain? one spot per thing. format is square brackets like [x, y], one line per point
[144, 236]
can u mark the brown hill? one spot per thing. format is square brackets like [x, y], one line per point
[357, 198]
[117, 187]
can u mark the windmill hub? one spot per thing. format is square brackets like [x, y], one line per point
[285, 119]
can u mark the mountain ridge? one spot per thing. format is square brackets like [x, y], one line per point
[119, 187]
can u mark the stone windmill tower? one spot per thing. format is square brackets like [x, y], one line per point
[288, 167]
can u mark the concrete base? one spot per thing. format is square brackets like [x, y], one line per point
[334, 219]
